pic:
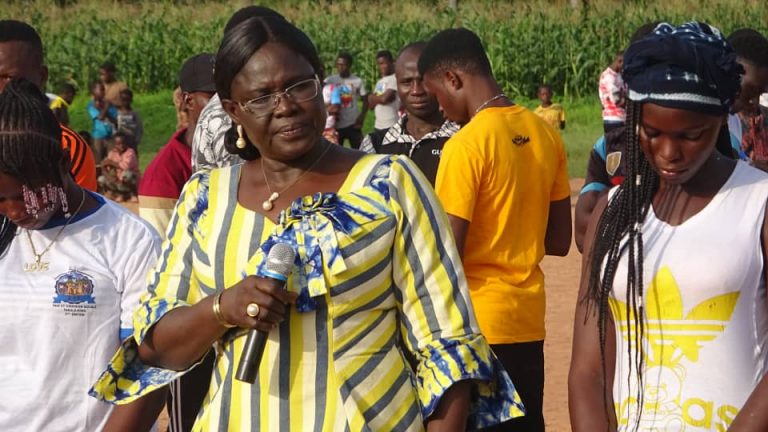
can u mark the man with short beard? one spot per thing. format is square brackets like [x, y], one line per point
[421, 133]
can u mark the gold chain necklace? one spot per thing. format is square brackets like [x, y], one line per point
[267, 205]
[485, 104]
[39, 265]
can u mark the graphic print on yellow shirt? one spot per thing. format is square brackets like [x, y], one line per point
[500, 172]
[673, 339]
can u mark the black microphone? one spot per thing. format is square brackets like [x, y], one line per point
[279, 265]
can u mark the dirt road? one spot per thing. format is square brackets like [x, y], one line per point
[561, 279]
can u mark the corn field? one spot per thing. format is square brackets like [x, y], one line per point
[527, 43]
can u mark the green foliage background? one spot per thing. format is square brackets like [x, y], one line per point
[528, 42]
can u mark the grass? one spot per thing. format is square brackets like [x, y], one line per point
[156, 111]
[583, 125]
[528, 42]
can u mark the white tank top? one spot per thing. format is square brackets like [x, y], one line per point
[706, 313]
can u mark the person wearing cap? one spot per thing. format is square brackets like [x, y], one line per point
[165, 176]
[159, 190]
[671, 325]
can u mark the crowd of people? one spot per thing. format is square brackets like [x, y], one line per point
[415, 299]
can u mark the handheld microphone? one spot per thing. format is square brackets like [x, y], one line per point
[279, 265]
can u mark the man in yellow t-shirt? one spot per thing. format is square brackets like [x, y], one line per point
[503, 182]
[552, 113]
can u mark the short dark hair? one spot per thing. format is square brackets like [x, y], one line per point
[67, 88]
[18, 31]
[455, 48]
[250, 12]
[643, 31]
[385, 54]
[108, 66]
[750, 45]
[419, 45]
[239, 45]
[128, 138]
[346, 56]
[95, 84]
[127, 91]
[544, 86]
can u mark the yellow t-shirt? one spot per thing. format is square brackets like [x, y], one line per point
[553, 114]
[500, 172]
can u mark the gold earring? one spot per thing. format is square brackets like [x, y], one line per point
[240, 143]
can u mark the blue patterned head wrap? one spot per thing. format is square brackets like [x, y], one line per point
[691, 67]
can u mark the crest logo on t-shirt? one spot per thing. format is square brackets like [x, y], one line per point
[74, 287]
[612, 162]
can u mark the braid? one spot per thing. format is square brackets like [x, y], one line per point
[623, 219]
[30, 143]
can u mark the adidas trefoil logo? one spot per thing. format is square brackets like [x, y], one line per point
[683, 335]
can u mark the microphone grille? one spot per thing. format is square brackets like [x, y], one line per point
[280, 259]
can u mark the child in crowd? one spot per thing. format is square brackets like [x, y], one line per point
[128, 121]
[60, 103]
[120, 170]
[332, 99]
[552, 113]
[103, 116]
[612, 94]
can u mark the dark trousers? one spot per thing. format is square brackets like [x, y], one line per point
[187, 395]
[524, 363]
[351, 133]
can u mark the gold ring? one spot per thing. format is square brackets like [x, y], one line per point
[253, 310]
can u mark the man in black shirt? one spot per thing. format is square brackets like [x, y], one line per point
[422, 131]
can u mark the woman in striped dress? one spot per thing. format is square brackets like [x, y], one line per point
[377, 278]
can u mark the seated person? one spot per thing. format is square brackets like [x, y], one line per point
[120, 171]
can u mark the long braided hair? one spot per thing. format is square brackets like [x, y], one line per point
[619, 230]
[30, 144]
[622, 219]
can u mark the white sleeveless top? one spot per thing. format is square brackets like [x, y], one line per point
[706, 313]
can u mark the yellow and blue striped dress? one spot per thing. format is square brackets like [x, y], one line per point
[378, 274]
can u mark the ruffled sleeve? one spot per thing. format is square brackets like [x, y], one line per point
[172, 285]
[438, 324]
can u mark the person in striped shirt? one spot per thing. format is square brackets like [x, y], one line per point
[377, 274]
[21, 56]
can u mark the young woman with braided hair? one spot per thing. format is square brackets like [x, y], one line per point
[72, 267]
[671, 327]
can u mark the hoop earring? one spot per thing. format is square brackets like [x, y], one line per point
[240, 143]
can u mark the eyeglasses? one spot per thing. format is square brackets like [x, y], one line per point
[302, 91]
